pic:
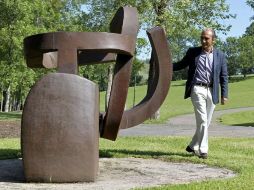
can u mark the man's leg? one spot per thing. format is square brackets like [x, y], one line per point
[199, 101]
[210, 106]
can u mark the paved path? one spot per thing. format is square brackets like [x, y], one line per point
[184, 125]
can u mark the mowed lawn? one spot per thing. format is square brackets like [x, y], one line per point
[232, 153]
[244, 118]
[236, 154]
[241, 94]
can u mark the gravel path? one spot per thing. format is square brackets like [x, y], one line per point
[119, 174]
[184, 125]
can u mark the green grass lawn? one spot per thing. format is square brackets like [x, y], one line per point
[232, 153]
[9, 148]
[10, 116]
[241, 94]
[236, 154]
[244, 118]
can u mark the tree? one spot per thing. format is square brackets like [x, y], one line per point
[231, 49]
[250, 30]
[239, 52]
[21, 18]
[246, 54]
[250, 3]
[11, 49]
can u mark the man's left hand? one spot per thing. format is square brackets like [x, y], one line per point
[223, 100]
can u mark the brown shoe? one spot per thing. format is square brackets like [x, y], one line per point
[203, 155]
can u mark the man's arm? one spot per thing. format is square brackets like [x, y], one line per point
[224, 81]
[183, 63]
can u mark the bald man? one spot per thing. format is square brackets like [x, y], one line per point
[207, 72]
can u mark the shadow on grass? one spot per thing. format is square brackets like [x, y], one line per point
[244, 124]
[9, 154]
[11, 172]
[109, 153]
[182, 84]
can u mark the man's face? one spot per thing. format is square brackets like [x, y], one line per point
[207, 40]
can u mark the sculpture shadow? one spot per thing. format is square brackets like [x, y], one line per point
[109, 153]
[9, 153]
[244, 124]
[182, 84]
[12, 171]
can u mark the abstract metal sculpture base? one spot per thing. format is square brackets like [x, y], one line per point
[60, 131]
[61, 123]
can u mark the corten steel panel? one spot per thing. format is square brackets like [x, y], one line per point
[158, 85]
[124, 22]
[84, 58]
[59, 136]
[35, 46]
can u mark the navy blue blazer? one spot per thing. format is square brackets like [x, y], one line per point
[220, 73]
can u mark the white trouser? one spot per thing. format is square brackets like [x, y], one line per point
[201, 98]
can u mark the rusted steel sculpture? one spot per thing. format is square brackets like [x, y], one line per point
[61, 123]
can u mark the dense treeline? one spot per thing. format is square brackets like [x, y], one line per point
[182, 20]
[21, 18]
[240, 51]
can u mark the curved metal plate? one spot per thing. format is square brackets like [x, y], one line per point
[127, 18]
[159, 84]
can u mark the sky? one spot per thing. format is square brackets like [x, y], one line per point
[242, 21]
[239, 24]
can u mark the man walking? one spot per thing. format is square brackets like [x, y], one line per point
[207, 71]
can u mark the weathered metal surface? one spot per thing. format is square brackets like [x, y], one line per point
[126, 23]
[159, 83]
[60, 119]
[35, 46]
[59, 135]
